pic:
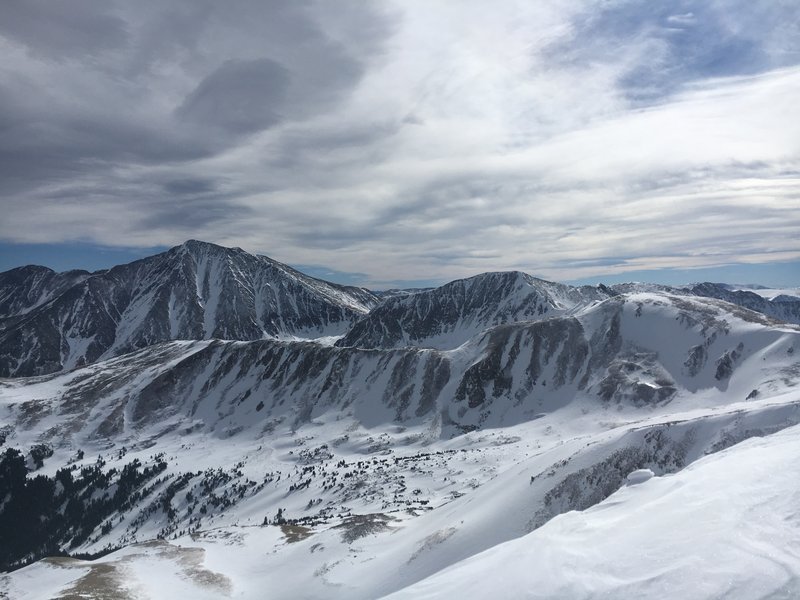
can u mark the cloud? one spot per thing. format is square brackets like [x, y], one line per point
[62, 30]
[190, 185]
[415, 141]
[239, 97]
[661, 46]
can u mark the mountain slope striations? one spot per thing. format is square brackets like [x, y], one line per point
[25, 288]
[193, 291]
[783, 308]
[447, 316]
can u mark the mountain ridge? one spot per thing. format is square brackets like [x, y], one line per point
[174, 295]
[54, 321]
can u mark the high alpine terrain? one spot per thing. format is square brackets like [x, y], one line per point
[206, 423]
[193, 291]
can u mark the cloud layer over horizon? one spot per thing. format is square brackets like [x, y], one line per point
[407, 141]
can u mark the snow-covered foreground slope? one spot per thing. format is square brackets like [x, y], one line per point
[301, 470]
[727, 526]
[723, 525]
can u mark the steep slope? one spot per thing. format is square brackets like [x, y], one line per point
[638, 350]
[447, 316]
[193, 291]
[26, 288]
[726, 526]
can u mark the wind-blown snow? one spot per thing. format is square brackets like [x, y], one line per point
[725, 527]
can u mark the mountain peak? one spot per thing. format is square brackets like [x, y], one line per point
[194, 291]
[199, 246]
[447, 316]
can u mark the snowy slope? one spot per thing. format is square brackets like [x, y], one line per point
[636, 542]
[725, 527]
[639, 350]
[26, 288]
[193, 291]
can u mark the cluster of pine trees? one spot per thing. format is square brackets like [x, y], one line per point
[43, 516]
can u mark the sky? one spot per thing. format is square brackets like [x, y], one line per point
[407, 143]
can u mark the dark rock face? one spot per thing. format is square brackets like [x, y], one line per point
[448, 316]
[193, 291]
[696, 360]
[726, 363]
[558, 343]
[25, 288]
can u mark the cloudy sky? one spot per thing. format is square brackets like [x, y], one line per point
[390, 143]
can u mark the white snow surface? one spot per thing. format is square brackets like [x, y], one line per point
[639, 476]
[401, 503]
[727, 526]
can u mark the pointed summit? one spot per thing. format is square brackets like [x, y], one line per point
[447, 316]
[193, 291]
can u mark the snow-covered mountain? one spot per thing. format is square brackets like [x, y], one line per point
[639, 350]
[470, 430]
[26, 288]
[54, 321]
[447, 316]
[783, 307]
[408, 456]
[193, 291]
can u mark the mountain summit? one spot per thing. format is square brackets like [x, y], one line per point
[193, 291]
[447, 316]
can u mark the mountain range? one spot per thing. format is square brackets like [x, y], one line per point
[250, 428]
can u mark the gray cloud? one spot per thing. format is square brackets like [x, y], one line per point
[98, 104]
[63, 30]
[190, 186]
[187, 215]
[240, 96]
[406, 141]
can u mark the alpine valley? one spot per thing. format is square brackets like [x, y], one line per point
[206, 423]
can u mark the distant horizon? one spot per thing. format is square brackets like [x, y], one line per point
[91, 257]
